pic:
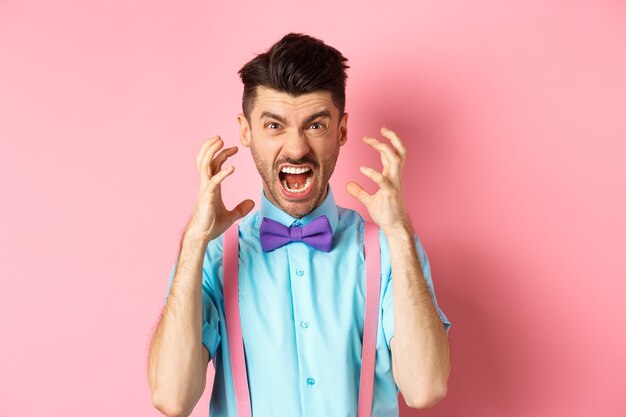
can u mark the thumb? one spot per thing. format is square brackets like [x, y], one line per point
[242, 210]
[357, 192]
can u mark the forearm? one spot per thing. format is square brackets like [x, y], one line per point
[420, 351]
[176, 372]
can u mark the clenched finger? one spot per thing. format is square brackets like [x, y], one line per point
[217, 179]
[376, 176]
[395, 141]
[388, 154]
[203, 149]
[218, 161]
[205, 165]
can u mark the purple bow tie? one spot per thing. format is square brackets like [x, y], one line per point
[317, 234]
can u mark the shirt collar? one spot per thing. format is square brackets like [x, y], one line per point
[328, 208]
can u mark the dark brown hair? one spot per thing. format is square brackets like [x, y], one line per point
[297, 64]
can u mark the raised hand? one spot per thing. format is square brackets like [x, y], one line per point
[386, 206]
[210, 217]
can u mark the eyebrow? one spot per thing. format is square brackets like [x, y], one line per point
[270, 115]
[323, 113]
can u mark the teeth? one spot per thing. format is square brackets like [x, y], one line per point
[298, 190]
[294, 170]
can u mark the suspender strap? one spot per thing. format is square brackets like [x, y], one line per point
[233, 320]
[368, 353]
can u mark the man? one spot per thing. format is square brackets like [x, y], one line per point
[301, 307]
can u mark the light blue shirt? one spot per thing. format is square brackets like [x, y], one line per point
[302, 316]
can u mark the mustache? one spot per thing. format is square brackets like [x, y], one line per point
[291, 161]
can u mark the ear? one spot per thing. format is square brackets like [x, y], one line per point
[343, 129]
[244, 130]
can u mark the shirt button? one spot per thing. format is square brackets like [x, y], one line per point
[305, 324]
[299, 272]
[310, 381]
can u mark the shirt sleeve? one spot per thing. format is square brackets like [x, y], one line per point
[210, 317]
[387, 286]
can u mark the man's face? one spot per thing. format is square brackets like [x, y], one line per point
[295, 144]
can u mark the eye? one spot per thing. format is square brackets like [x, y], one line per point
[317, 126]
[272, 125]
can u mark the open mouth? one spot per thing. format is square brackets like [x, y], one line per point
[296, 181]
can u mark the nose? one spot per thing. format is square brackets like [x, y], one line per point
[296, 145]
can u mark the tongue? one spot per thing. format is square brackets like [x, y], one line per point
[292, 179]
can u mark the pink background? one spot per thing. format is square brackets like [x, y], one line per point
[515, 119]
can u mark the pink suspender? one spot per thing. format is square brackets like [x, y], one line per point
[368, 353]
[233, 321]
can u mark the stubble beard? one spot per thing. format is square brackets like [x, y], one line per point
[269, 175]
